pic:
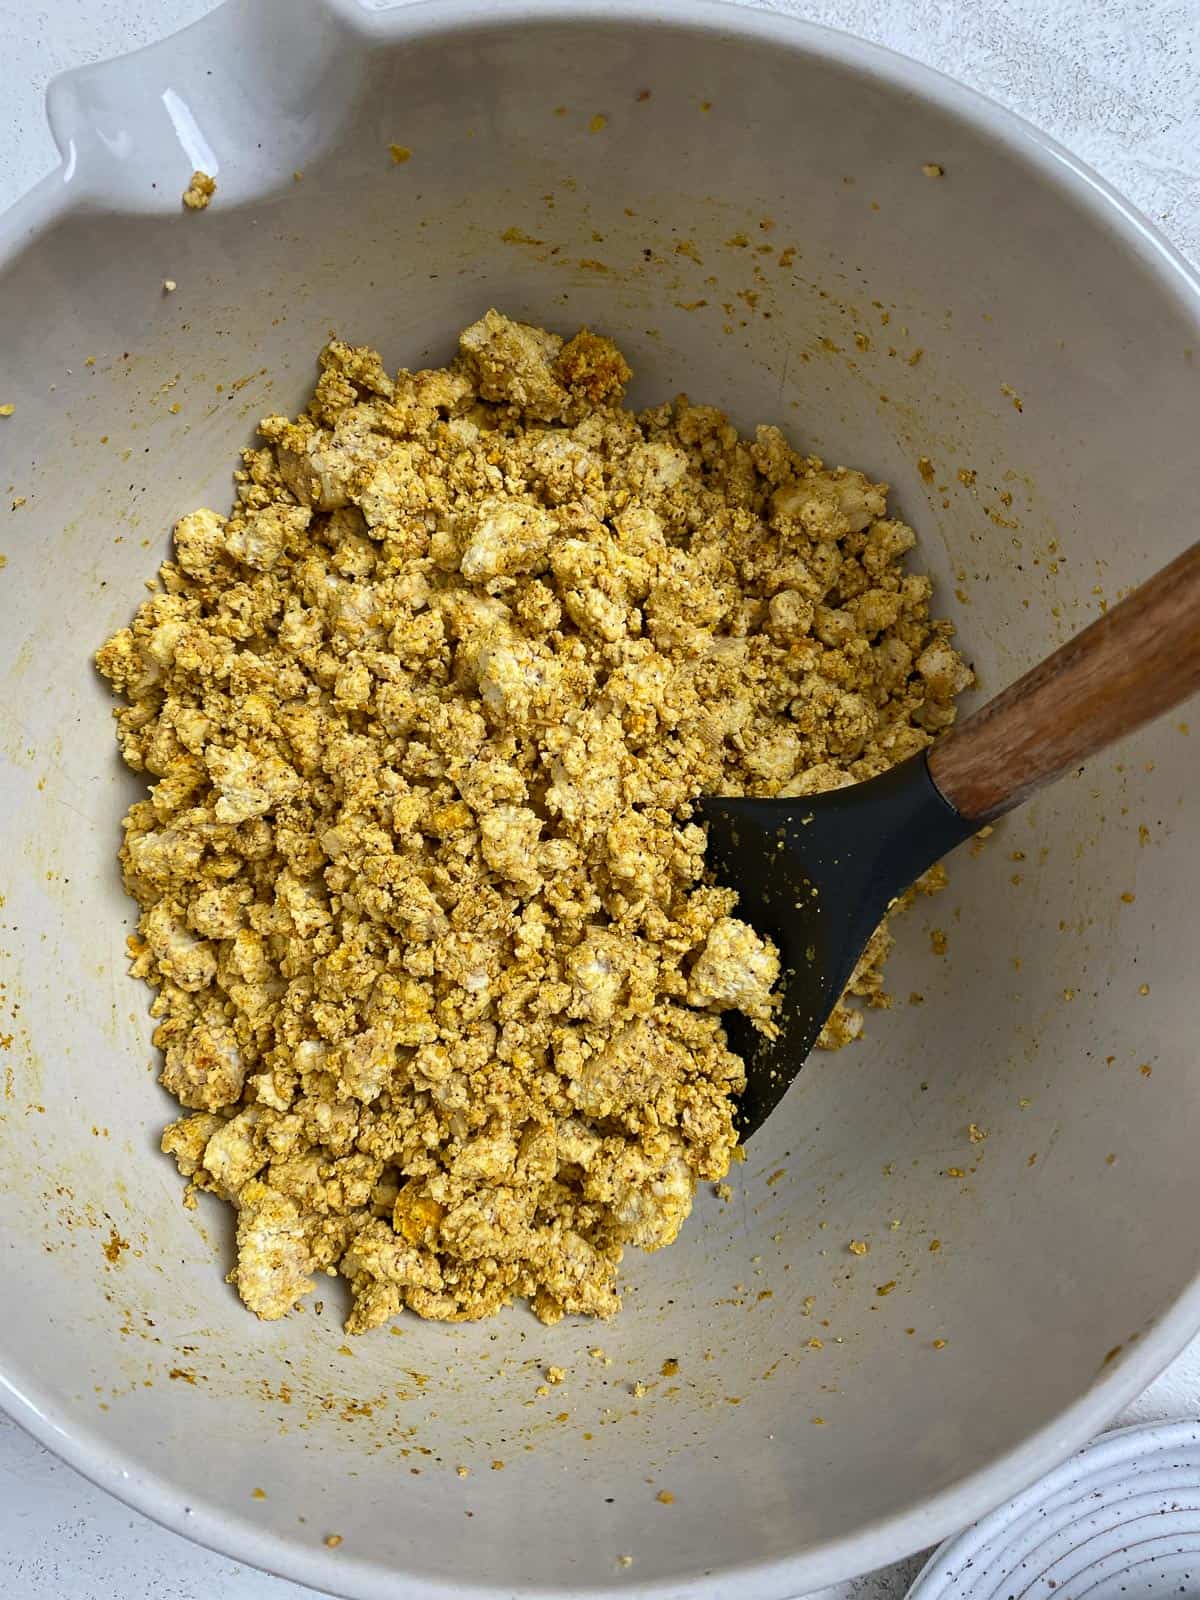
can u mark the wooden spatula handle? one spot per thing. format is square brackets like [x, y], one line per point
[1133, 663]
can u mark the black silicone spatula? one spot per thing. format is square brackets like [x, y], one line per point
[817, 874]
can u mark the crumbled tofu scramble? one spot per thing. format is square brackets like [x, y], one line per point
[439, 968]
[199, 191]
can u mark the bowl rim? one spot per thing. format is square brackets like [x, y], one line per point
[927, 1519]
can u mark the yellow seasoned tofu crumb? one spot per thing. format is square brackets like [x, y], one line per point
[199, 192]
[439, 972]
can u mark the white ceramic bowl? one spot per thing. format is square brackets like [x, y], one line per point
[1012, 322]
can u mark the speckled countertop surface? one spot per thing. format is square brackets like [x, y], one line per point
[1115, 80]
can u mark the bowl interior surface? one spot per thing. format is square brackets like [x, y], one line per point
[743, 206]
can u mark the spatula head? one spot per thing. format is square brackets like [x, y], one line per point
[816, 876]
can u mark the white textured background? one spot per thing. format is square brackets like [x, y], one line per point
[1118, 81]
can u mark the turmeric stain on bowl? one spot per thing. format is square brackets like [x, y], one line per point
[114, 1247]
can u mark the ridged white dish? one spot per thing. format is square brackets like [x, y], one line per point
[1118, 1521]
